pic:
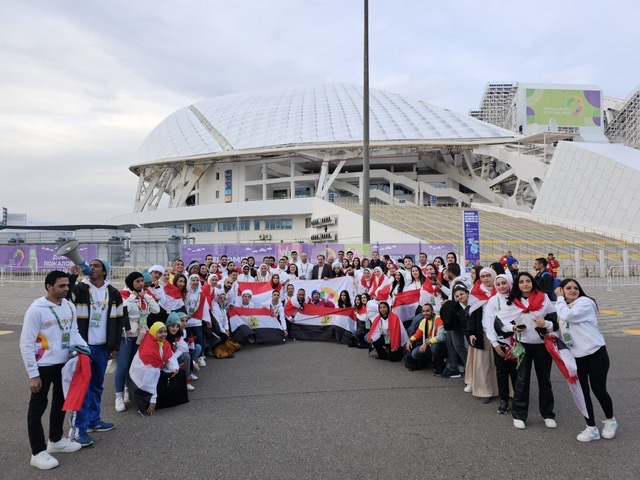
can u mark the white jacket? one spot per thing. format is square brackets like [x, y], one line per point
[41, 337]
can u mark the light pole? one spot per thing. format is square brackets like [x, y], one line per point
[366, 224]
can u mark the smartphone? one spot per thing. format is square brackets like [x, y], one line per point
[521, 327]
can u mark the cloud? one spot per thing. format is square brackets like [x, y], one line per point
[84, 82]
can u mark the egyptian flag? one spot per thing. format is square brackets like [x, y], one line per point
[261, 291]
[566, 362]
[257, 323]
[381, 288]
[323, 323]
[172, 291]
[479, 296]
[76, 375]
[405, 304]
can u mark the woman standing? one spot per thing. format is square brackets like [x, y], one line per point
[526, 308]
[578, 319]
[480, 376]
[175, 293]
[500, 340]
[139, 305]
[198, 308]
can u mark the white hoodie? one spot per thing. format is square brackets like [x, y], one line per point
[41, 337]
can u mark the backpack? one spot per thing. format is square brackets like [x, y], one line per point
[556, 283]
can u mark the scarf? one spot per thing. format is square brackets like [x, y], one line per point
[172, 291]
[536, 302]
[479, 296]
[149, 351]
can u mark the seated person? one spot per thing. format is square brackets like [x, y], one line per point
[181, 350]
[387, 334]
[429, 340]
[157, 379]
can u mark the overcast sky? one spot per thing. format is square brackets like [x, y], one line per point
[83, 82]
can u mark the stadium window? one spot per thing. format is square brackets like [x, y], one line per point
[256, 224]
[233, 226]
[202, 227]
[281, 193]
[217, 175]
[303, 192]
[217, 193]
[278, 224]
[307, 222]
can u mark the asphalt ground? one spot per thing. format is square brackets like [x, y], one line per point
[322, 410]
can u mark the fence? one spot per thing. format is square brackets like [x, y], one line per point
[36, 276]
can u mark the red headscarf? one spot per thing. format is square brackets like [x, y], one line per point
[149, 351]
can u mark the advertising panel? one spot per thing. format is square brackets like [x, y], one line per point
[567, 108]
[471, 229]
[41, 256]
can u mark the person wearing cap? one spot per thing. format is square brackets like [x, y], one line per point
[180, 348]
[101, 318]
[513, 266]
[157, 290]
[321, 302]
[244, 301]
[139, 305]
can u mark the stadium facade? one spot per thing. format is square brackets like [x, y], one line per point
[276, 166]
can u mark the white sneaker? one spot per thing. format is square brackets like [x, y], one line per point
[468, 389]
[589, 433]
[610, 427]
[201, 362]
[120, 405]
[519, 424]
[126, 395]
[550, 423]
[193, 377]
[64, 445]
[190, 387]
[44, 461]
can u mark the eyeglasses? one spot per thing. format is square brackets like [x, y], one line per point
[485, 275]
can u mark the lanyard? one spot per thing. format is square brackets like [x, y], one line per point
[104, 302]
[62, 329]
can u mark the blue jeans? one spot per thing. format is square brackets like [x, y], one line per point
[437, 350]
[89, 414]
[197, 332]
[196, 353]
[128, 349]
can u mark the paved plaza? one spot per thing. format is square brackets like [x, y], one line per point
[322, 410]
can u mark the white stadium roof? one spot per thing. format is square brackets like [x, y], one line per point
[324, 114]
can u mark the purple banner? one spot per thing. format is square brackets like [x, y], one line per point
[41, 256]
[236, 253]
[471, 220]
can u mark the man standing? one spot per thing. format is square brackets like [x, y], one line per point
[208, 260]
[422, 263]
[377, 262]
[293, 306]
[294, 257]
[553, 265]
[100, 322]
[49, 332]
[304, 267]
[321, 270]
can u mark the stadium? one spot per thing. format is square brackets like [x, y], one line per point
[284, 167]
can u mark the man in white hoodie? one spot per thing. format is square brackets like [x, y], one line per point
[50, 330]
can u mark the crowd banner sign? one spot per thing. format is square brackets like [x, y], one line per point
[471, 229]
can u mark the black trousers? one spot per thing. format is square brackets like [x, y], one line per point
[51, 375]
[505, 371]
[536, 355]
[592, 371]
[384, 352]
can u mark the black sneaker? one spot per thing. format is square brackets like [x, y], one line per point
[450, 373]
[503, 408]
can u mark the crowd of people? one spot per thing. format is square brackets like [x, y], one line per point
[488, 325]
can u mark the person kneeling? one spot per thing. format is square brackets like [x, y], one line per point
[387, 334]
[431, 329]
[158, 381]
